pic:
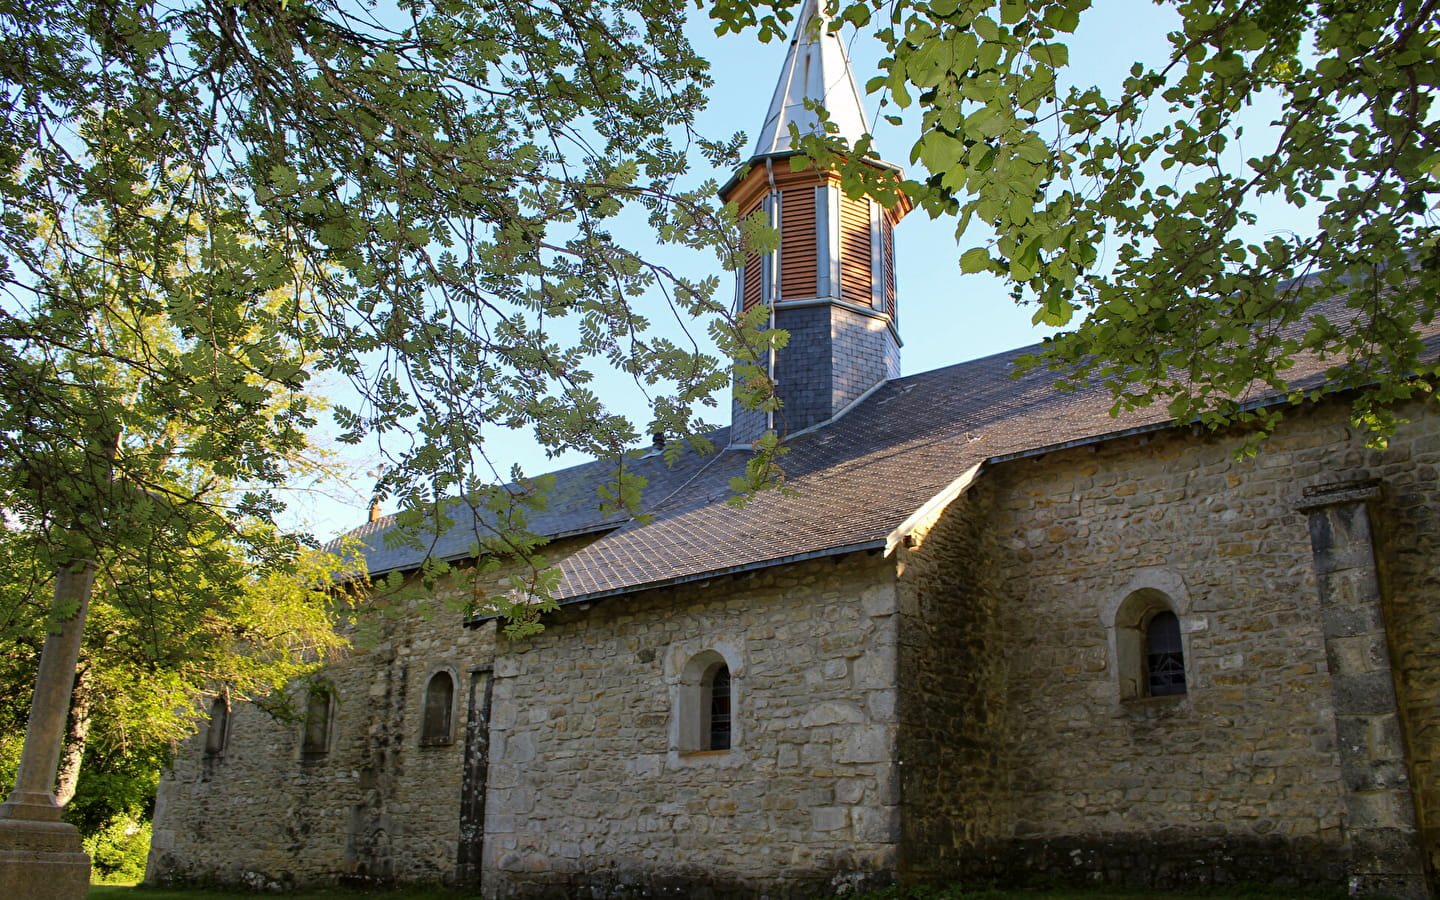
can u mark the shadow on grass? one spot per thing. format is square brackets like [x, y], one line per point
[1085, 892]
[131, 892]
[1239, 892]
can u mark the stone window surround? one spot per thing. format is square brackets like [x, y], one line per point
[449, 737]
[1127, 613]
[686, 666]
[314, 752]
[217, 733]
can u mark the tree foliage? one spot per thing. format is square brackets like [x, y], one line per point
[150, 401]
[203, 204]
[446, 179]
[165, 630]
[1130, 215]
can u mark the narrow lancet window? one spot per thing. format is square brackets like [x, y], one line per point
[1164, 655]
[439, 701]
[318, 713]
[719, 691]
[219, 730]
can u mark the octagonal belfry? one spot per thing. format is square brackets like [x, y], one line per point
[831, 281]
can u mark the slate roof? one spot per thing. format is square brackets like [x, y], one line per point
[573, 508]
[852, 481]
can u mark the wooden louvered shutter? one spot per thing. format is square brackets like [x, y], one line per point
[797, 244]
[752, 279]
[855, 262]
[887, 247]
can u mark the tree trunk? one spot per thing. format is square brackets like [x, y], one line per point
[75, 737]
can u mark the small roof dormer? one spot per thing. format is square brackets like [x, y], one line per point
[817, 70]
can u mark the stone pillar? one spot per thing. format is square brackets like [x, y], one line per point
[40, 856]
[1379, 806]
[469, 863]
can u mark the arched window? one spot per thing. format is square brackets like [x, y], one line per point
[218, 733]
[1164, 655]
[717, 690]
[319, 712]
[439, 706]
[1149, 646]
[706, 705]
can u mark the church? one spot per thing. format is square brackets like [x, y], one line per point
[990, 633]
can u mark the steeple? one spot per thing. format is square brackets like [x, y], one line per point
[831, 282]
[817, 69]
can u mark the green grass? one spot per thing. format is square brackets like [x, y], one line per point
[1238, 892]
[128, 892]
[125, 892]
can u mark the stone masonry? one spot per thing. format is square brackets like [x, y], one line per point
[955, 709]
[1241, 778]
[585, 791]
[378, 807]
[1379, 804]
[955, 771]
[1240, 772]
[590, 796]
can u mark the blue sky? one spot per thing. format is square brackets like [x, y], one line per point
[945, 317]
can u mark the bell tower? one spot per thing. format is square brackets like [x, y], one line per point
[831, 282]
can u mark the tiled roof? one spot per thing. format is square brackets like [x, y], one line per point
[850, 482]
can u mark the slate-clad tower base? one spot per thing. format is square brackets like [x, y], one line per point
[835, 355]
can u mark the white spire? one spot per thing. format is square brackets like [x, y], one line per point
[817, 69]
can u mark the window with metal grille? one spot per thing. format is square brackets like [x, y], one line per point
[707, 719]
[1149, 640]
[718, 689]
[1164, 655]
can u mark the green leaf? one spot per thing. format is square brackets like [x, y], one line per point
[1053, 54]
[976, 259]
[940, 152]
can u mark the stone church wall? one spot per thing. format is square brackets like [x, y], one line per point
[954, 771]
[593, 795]
[1240, 778]
[971, 718]
[377, 806]
[1408, 533]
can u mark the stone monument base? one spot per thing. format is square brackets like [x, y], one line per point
[40, 859]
